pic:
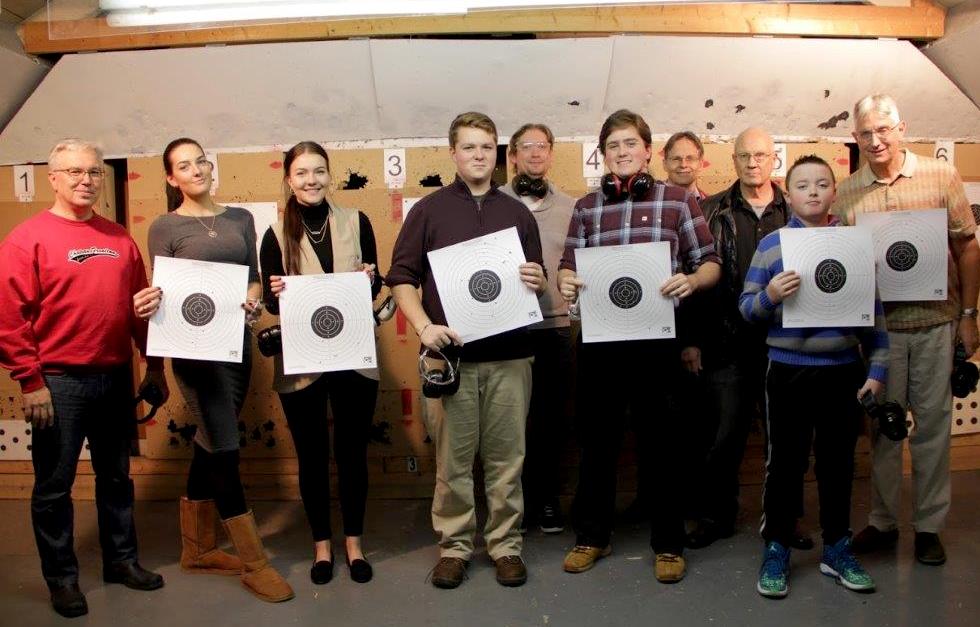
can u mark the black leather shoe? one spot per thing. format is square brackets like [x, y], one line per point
[69, 601]
[871, 539]
[322, 572]
[132, 575]
[929, 549]
[707, 532]
[360, 570]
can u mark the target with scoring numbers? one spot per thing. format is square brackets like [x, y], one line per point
[621, 299]
[480, 286]
[200, 316]
[911, 253]
[837, 277]
[327, 323]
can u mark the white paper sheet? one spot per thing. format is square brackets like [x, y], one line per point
[836, 266]
[911, 252]
[621, 299]
[201, 316]
[265, 214]
[327, 323]
[480, 285]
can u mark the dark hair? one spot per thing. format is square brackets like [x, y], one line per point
[292, 220]
[533, 126]
[471, 119]
[624, 118]
[689, 136]
[814, 159]
[174, 196]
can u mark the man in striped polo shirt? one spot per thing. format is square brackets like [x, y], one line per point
[921, 333]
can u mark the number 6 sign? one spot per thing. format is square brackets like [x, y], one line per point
[944, 151]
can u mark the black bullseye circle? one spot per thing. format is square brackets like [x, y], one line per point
[830, 276]
[901, 256]
[327, 322]
[485, 286]
[198, 309]
[625, 292]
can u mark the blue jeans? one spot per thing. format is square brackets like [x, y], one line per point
[97, 406]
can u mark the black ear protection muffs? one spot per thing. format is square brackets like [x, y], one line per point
[152, 395]
[965, 375]
[438, 382]
[616, 189]
[526, 185]
[270, 340]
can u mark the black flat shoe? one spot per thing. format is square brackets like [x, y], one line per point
[69, 601]
[360, 570]
[322, 572]
[132, 575]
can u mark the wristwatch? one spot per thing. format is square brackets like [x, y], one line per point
[969, 312]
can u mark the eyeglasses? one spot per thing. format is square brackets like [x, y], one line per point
[882, 132]
[76, 174]
[748, 157]
[529, 146]
[684, 160]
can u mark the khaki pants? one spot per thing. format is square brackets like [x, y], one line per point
[918, 377]
[486, 416]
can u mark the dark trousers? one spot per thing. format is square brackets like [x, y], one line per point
[734, 394]
[352, 397]
[613, 377]
[547, 419]
[97, 406]
[810, 405]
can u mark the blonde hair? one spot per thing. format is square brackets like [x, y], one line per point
[74, 144]
[471, 119]
[882, 104]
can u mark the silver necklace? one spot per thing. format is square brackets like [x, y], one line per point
[322, 233]
[210, 229]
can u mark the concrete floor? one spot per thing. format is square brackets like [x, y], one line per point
[620, 590]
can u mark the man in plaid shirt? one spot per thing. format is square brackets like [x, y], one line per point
[638, 375]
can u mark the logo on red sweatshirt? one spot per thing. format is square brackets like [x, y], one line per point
[81, 255]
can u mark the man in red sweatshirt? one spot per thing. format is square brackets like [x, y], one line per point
[67, 280]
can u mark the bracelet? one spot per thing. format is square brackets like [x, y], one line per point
[969, 312]
[422, 330]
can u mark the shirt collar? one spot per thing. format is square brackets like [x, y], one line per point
[868, 177]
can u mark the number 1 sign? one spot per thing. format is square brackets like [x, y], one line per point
[24, 182]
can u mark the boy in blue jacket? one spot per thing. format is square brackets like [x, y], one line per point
[815, 378]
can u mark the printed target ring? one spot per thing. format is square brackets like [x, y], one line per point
[901, 256]
[198, 309]
[485, 286]
[830, 276]
[327, 322]
[625, 292]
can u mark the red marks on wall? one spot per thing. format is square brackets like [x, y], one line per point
[138, 219]
[396, 206]
[843, 161]
[401, 325]
[705, 163]
[275, 165]
[132, 176]
[406, 406]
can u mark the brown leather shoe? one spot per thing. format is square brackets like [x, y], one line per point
[449, 572]
[198, 535]
[669, 568]
[581, 558]
[511, 571]
[929, 549]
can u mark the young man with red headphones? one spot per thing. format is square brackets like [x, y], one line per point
[633, 208]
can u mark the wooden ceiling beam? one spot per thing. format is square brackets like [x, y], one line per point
[922, 20]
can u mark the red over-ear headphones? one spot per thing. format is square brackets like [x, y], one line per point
[616, 189]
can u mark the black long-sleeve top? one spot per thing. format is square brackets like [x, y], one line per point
[315, 217]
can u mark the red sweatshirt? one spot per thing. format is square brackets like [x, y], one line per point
[66, 290]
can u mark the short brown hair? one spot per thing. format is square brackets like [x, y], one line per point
[532, 126]
[689, 136]
[471, 119]
[624, 118]
[812, 159]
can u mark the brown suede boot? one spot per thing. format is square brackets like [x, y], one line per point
[259, 577]
[199, 552]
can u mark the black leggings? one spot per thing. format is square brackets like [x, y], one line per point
[352, 397]
[215, 476]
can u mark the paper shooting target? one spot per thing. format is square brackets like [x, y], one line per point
[201, 314]
[621, 299]
[836, 269]
[327, 323]
[911, 253]
[480, 287]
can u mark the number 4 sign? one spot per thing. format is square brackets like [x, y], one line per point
[24, 182]
[592, 163]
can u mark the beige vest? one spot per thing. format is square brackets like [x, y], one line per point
[345, 239]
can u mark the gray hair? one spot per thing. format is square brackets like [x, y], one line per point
[882, 104]
[74, 144]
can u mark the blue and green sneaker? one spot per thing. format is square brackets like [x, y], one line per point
[838, 561]
[774, 574]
